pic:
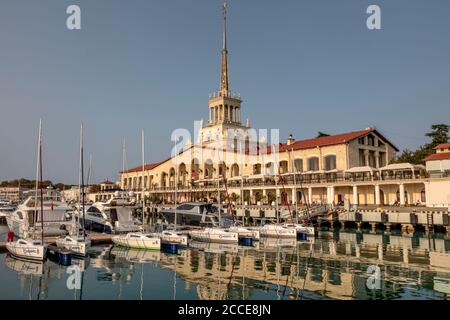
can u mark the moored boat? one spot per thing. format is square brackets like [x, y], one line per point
[214, 235]
[28, 249]
[138, 240]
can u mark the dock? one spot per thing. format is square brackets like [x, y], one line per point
[96, 238]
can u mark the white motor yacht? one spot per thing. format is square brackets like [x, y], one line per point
[26, 222]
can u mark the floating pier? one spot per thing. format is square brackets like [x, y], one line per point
[96, 238]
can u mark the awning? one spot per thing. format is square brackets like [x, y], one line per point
[361, 169]
[403, 167]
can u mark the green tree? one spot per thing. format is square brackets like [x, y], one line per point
[438, 135]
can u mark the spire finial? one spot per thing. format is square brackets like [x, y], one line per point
[224, 65]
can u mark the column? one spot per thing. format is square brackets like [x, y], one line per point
[278, 195]
[309, 194]
[366, 157]
[402, 194]
[355, 194]
[231, 113]
[331, 195]
[294, 196]
[377, 195]
[210, 115]
[251, 196]
[377, 159]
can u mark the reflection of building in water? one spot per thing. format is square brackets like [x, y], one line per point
[325, 268]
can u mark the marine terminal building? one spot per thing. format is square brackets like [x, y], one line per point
[229, 156]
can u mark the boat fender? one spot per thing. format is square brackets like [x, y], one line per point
[10, 236]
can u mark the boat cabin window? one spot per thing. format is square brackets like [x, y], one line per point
[185, 207]
[93, 209]
[134, 236]
[20, 215]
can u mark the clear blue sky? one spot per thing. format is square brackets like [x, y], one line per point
[302, 66]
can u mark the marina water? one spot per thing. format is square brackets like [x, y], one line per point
[333, 265]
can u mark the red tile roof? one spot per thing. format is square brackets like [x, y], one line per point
[329, 141]
[147, 167]
[443, 146]
[438, 156]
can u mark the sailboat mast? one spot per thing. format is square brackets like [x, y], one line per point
[143, 173]
[40, 170]
[82, 180]
[176, 184]
[37, 173]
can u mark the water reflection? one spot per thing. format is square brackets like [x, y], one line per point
[332, 266]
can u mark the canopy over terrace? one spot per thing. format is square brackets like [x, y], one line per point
[402, 169]
[362, 173]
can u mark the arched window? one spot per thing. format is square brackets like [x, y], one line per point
[313, 164]
[423, 196]
[298, 165]
[330, 162]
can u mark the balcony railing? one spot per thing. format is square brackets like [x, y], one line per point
[299, 179]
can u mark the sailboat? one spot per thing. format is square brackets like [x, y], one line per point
[216, 235]
[33, 249]
[139, 240]
[171, 236]
[78, 244]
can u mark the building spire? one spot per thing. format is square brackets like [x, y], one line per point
[224, 65]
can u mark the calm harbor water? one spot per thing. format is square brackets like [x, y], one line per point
[334, 265]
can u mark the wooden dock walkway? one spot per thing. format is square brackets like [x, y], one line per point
[96, 238]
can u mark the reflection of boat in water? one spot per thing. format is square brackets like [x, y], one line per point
[24, 267]
[214, 247]
[270, 243]
[135, 255]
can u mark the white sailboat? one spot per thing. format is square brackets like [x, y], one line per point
[78, 244]
[33, 249]
[276, 231]
[139, 240]
[214, 235]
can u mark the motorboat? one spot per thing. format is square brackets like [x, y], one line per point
[276, 231]
[138, 240]
[26, 222]
[6, 208]
[78, 244]
[301, 228]
[113, 216]
[28, 249]
[193, 214]
[215, 235]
